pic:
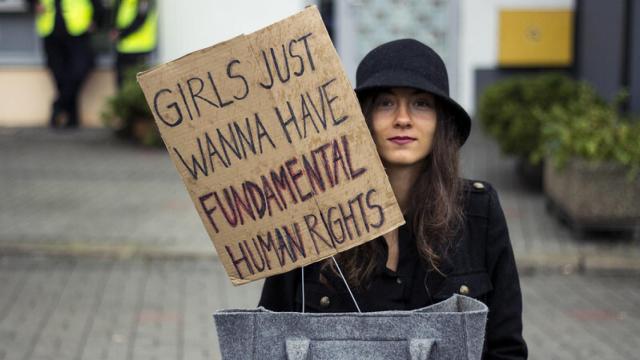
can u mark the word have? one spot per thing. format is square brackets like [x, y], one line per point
[299, 119]
[328, 228]
[223, 147]
[297, 180]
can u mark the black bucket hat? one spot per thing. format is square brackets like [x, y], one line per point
[410, 63]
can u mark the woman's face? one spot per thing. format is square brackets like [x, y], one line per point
[403, 122]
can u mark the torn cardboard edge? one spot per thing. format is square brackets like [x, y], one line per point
[306, 19]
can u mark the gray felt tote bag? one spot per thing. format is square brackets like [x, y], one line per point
[451, 329]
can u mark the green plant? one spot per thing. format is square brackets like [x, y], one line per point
[507, 109]
[128, 114]
[590, 130]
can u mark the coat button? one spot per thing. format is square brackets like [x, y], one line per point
[325, 302]
[464, 290]
[478, 185]
[399, 281]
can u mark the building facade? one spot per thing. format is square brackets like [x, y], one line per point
[477, 40]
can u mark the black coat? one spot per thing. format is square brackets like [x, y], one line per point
[481, 265]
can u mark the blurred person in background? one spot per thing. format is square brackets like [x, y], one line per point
[135, 34]
[65, 27]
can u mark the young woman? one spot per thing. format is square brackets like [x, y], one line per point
[455, 239]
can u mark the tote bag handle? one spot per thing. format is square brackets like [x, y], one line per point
[299, 348]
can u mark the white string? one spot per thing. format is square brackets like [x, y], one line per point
[303, 303]
[345, 282]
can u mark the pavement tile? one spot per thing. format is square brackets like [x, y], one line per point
[86, 308]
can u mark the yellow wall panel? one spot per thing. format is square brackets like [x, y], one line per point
[536, 38]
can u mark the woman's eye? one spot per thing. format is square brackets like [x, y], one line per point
[385, 103]
[423, 103]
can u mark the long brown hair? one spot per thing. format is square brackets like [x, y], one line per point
[435, 211]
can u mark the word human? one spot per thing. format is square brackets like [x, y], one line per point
[327, 229]
[297, 180]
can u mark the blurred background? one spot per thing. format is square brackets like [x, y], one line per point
[103, 256]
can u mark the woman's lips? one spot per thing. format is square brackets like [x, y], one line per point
[401, 140]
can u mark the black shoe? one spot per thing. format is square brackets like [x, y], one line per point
[59, 119]
[70, 126]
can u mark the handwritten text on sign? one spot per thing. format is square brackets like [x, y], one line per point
[269, 139]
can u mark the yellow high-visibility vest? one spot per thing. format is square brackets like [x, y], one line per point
[142, 40]
[77, 15]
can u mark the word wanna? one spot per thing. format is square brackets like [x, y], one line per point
[327, 228]
[313, 113]
[296, 180]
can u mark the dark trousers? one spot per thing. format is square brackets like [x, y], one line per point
[70, 59]
[125, 62]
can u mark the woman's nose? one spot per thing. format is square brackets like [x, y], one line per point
[403, 117]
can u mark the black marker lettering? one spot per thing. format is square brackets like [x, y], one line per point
[173, 105]
[238, 76]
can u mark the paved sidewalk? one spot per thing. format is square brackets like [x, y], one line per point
[84, 192]
[102, 256]
[539, 240]
[81, 308]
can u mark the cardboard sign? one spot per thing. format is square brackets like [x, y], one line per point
[270, 141]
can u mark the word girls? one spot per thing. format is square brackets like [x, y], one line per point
[199, 94]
